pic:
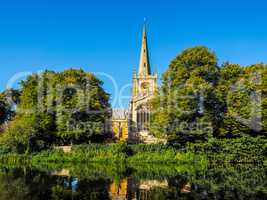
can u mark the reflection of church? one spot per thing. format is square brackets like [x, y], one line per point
[130, 189]
[133, 124]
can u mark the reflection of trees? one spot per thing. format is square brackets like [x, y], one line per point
[12, 186]
[26, 184]
[143, 182]
[223, 182]
[86, 189]
[237, 182]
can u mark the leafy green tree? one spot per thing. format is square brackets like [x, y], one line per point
[185, 109]
[244, 97]
[17, 136]
[82, 107]
[230, 74]
[197, 95]
[58, 108]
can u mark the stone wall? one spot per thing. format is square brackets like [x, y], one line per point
[120, 129]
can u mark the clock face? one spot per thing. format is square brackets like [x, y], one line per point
[144, 88]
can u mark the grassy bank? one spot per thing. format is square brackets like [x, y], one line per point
[119, 153]
[241, 150]
[110, 153]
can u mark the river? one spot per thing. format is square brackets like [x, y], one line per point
[109, 181]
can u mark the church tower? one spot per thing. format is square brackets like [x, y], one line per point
[143, 89]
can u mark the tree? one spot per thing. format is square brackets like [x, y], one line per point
[58, 108]
[8, 100]
[197, 97]
[185, 109]
[17, 136]
[243, 91]
[83, 107]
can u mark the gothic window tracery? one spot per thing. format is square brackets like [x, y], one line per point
[143, 118]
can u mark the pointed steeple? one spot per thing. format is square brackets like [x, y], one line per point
[144, 65]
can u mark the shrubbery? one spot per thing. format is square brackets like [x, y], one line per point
[4, 149]
[245, 149]
[114, 153]
[240, 150]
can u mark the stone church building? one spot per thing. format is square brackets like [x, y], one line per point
[132, 124]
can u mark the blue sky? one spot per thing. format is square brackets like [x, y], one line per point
[105, 35]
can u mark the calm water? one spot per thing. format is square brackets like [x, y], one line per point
[136, 182]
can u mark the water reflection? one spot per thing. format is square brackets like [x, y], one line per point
[137, 182]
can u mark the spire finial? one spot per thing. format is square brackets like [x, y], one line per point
[144, 27]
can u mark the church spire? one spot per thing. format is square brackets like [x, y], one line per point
[144, 65]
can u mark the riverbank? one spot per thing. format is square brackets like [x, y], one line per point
[215, 151]
[108, 153]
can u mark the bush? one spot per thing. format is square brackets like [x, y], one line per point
[241, 150]
[4, 149]
[146, 148]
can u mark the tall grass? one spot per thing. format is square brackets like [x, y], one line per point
[109, 153]
[241, 150]
[13, 159]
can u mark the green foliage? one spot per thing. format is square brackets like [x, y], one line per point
[96, 181]
[17, 160]
[159, 153]
[243, 92]
[145, 148]
[186, 98]
[82, 112]
[85, 153]
[116, 153]
[240, 150]
[4, 149]
[198, 100]
[58, 108]
[17, 135]
[167, 156]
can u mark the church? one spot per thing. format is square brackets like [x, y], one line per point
[132, 124]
